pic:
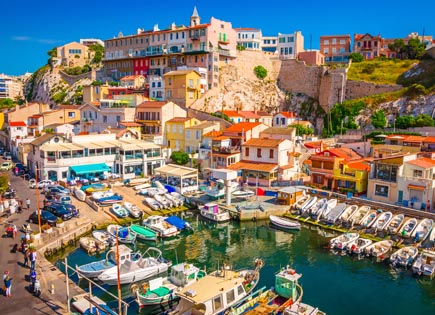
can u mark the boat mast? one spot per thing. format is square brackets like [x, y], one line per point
[119, 278]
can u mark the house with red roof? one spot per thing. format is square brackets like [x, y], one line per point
[135, 81]
[284, 119]
[351, 176]
[237, 116]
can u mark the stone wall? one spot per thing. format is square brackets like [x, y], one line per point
[358, 89]
[431, 52]
[71, 79]
[332, 87]
[206, 116]
[247, 60]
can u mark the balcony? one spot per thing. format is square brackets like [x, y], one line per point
[195, 36]
[194, 51]
[226, 150]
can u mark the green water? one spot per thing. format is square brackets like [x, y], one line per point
[338, 285]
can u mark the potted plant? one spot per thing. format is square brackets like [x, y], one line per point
[60, 223]
[47, 228]
[35, 235]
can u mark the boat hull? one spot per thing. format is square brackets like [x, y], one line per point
[284, 223]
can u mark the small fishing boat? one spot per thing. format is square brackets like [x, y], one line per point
[150, 264]
[214, 287]
[95, 268]
[425, 264]
[297, 205]
[125, 235]
[215, 190]
[152, 191]
[178, 196]
[143, 233]
[359, 215]
[243, 193]
[80, 194]
[408, 227]
[179, 223]
[162, 290]
[214, 213]
[152, 203]
[110, 200]
[284, 223]
[348, 213]
[103, 237]
[382, 221]
[142, 186]
[158, 224]
[96, 188]
[302, 308]
[369, 218]
[341, 241]
[119, 210]
[137, 181]
[308, 204]
[404, 256]
[102, 194]
[91, 245]
[333, 215]
[163, 201]
[379, 249]
[133, 210]
[328, 206]
[358, 246]
[395, 224]
[421, 232]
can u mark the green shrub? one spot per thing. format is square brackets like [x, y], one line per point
[260, 72]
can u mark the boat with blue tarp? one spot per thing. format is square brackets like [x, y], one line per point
[179, 223]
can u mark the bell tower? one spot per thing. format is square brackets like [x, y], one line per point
[194, 19]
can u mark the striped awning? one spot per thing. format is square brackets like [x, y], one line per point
[416, 187]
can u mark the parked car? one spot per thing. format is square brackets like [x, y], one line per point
[58, 210]
[46, 217]
[44, 183]
[7, 156]
[59, 189]
[63, 199]
[6, 166]
[70, 207]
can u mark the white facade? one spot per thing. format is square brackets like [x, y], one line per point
[276, 152]
[249, 38]
[269, 43]
[289, 45]
[10, 87]
[99, 119]
[281, 120]
[156, 87]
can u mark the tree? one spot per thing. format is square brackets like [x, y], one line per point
[356, 57]
[260, 72]
[99, 52]
[424, 120]
[6, 103]
[415, 48]
[302, 130]
[378, 119]
[398, 47]
[180, 158]
[404, 122]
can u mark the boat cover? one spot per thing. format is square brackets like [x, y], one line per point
[177, 222]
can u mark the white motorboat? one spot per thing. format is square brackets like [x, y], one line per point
[408, 227]
[133, 210]
[213, 212]
[382, 220]
[341, 241]
[152, 191]
[149, 265]
[80, 194]
[91, 245]
[301, 201]
[317, 206]
[395, 224]
[308, 204]
[348, 213]
[163, 201]
[421, 232]
[125, 235]
[284, 223]
[179, 196]
[404, 256]
[425, 264]
[243, 193]
[379, 249]
[432, 236]
[137, 181]
[359, 215]
[175, 202]
[142, 186]
[358, 246]
[158, 224]
[369, 218]
[335, 213]
[119, 210]
[152, 203]
[103, 237]
[328, 206]
[102, 194]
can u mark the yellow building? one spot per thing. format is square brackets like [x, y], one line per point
[351, 176]
[175, 131]
[183, 86]
[94, 93]
[74, 54]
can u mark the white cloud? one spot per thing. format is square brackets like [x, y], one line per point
[38, 40]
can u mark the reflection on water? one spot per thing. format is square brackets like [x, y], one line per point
[334, 283]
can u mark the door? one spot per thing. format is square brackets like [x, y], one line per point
[400, 197]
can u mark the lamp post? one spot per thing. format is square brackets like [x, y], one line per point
[211, 154]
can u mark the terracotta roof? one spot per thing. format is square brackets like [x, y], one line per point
[261, 142]
[241, 113]
[243, 126]
[220, 138]
[151, 104]
[422, 162]
[95, 103]
[278, 131]
[231, 113]
[358, 166]
[414, 139]
[17, 124]
[261, 113]
[214, 133]
[346, 153]
[253, 166]
[429, 139]
[180, 72]
[36, 116]
[131, 77]
[179, 119]
[287, 114]
[313, 144]
[130, 124]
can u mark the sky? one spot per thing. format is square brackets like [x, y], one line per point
[31, 28]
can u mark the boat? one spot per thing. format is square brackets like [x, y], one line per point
[95, 268]
[175, 202]
[382, 221]
[317, 206]
[119, 210]
[102, 194]
[359, 215]
[80, 194]
[333, 215]
[162, 290]
[358, 246]
[163, 201]
[158, 224]
[125, 235]
[150, 264]
[369, 218]
[395, 223]
[425, 264]
[432, 237]
[95, 185]
[348, 213]
[143, 233]
[379, 249]
[404, 256]
[302, 308]
[341, 241]
[103, 237]
[110, 200]
[152, 191]
[133, 210]
[408, 227]
[301, 201]
[218, 291]
[142, 186]
[91, 245]
[137, 181]
[216, 190]
[421, 232]
[308, 204]
[212, 212]
[284, 223]
[179, 223]
[243, 193]
[179, 196]
[152, 203]
[96, 188]
[328, 206]
[88, 304]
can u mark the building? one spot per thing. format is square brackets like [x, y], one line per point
[279, 133]
[74, 54]
[10, 87]
[284, 119]
[156, 88]
[176, 132]
[216, 151]
[135, 81]
[351, 177]
[94, 93]
[237, 116]
[64, 114]
[249, 38]
[195, 133]
[290, 45]
[335, 48]
[91, 41]
[269, 43]
[367, 45]
[182, 86]
[312, 57]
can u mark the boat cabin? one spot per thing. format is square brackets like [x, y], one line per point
[286, 283]
[124, 253]
[211, 207]
[184, 273]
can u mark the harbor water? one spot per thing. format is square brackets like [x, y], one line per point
[337, 285]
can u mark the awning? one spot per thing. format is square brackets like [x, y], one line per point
[224, 47]
[416, 187]
[90, 168]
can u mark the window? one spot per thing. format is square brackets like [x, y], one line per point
[247, 152]
[169, 94]
[326, 42]
[334, 50]
[230, 296]
[318, 179]
[217, 303]
[187, 134]
[334, 41]
[259, 152]
[180, 129]
[417, 173]
[191, 95]
[342, 42]
[277, 121]
[271, 154]
[118, 118]
[381, 190]
[169, 81]
[198, 134]
[240, 290]
[325, 51]
[104, 119]
[71, 114]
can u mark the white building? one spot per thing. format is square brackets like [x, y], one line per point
[284, 119]
[290, 45]
[17, 130]
[156, 87]
[250, 38]
[269, 43]
[10, 87]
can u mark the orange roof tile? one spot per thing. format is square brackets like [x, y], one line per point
[231, 113]
[17, 124]
[260, 142]
[131, 77]
[414, 139]
[288, 114]
[130, 124]
[313, 144]
[179, 119]
[346, 153]
[242, 127]
[253, 166]
[429, 139]
[149, 104]
[423, 162]
[358, 166]
[213, 133]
